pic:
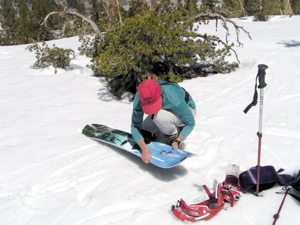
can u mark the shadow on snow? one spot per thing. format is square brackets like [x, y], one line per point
[290, 44]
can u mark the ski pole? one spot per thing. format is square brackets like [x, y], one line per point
[262, 84]
[276, 216]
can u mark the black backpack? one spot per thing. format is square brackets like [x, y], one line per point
[296, 182]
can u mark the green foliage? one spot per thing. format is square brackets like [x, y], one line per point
[137, 7]
[141, 42]
[295, 4]
[170, 77]
[98, 14]
[263, 9]
[268, 8]
[212, 5]
[260, 9]
[76, 28]
[21, 21]
[233, 8]
[215, 58]
[72, 4]
[155, 37]
[68, 30]
[57, 57]
[9, 16]
[191, 5]
[150, 39]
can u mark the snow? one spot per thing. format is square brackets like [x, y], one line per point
[52, 174]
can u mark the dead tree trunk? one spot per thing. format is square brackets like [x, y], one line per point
[287, 8]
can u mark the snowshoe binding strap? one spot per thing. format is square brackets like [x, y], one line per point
[231, 183]
[230, 196]
[231, 190]
[204, 210]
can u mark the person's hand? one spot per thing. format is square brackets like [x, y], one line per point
[146, 155]
[175, 144]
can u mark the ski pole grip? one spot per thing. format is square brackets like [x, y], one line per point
[261, 75]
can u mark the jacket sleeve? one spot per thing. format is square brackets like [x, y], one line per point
[137, 118]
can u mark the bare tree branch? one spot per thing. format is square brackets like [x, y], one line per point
[119, 13]
[242, 6]
[106, 7]
[84, 18]
[211, 39]
[217, 16]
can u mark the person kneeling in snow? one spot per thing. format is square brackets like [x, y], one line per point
[171, 114]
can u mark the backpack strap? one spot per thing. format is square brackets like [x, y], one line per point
[165, 82]
[296, 182]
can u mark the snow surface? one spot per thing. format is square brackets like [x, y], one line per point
[52, 174]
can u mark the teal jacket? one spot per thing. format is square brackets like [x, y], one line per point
[174, 99]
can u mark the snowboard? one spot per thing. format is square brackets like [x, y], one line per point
[163, 155]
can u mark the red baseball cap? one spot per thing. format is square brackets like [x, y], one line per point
[150, 96]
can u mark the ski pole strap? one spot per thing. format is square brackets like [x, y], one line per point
[254, 102]
[262, 84]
